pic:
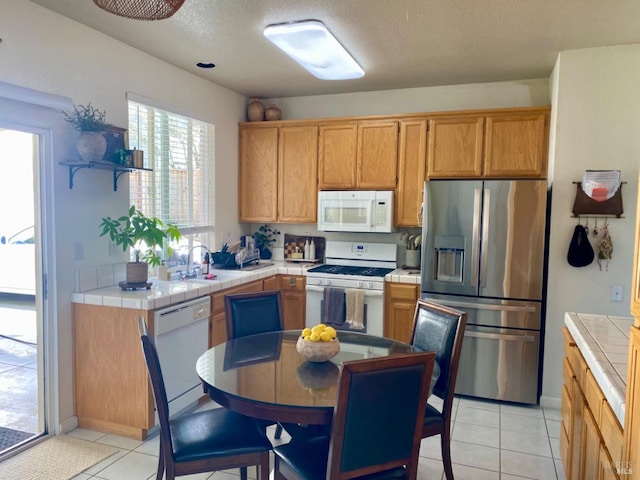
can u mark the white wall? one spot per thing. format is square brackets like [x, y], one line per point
[49, 53]
[595, 125]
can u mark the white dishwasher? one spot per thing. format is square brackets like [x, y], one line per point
[181, 335]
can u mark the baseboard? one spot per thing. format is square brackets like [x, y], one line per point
[69, 424]
[550, 402]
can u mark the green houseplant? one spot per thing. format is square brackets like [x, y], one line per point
[143, 234]
[90, 122]
[263, 238]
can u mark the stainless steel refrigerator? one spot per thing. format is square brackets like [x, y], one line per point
[483, 251]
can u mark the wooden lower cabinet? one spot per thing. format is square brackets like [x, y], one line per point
[399, 305]
[591, 437]
[294, 301]
[112, 391]
[631, 448]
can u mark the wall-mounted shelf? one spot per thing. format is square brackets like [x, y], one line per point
[117, 170]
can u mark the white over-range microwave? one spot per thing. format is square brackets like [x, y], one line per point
[355, 211]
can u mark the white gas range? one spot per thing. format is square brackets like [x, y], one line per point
[352, 265]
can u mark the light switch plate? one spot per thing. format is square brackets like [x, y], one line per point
[616, 293]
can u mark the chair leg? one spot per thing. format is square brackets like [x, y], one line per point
[243, 473]
[160, 472]
[445, 440]
[278, 434]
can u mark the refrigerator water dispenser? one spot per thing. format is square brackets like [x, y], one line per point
[449, 258]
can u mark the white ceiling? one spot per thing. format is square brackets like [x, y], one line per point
[399, 43]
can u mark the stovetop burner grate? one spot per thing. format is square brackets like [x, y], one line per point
[351, 270]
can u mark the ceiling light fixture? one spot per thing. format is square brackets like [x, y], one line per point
[141, 9]
[310, 44]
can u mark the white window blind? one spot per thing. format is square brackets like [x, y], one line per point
[180, 151]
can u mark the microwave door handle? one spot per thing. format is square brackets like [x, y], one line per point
[475, 243]
[486, 211]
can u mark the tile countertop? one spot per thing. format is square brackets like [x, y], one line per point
[404, 275]
[604, 344]
[164, 293]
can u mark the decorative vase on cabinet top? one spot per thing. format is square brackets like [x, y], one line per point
[255, 110]
[273, 113]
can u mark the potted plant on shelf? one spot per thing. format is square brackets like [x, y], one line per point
[90, 122]
[263, 238]
[140, 232]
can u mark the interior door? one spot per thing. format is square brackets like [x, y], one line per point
[451, 236]
[513, 233]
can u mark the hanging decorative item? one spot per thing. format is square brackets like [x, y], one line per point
[605, 248]
[580, 252]
[141, 9]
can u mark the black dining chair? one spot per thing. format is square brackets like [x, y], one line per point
[207, 441]
[440, 329]
[252, 313]
[377, 424]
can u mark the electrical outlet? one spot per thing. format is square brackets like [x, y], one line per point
[616, 293]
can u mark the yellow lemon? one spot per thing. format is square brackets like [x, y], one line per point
[318, 329]
[331, 331]
[322, 325]
[325, 336]
[306, 332]
[307, 338]
[315, 337]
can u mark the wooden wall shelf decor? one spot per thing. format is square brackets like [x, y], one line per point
[585, 206]
[117, 170]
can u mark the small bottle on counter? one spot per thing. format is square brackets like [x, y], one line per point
[163, 272]
[312, 250]
[205, 264]
[306, 248]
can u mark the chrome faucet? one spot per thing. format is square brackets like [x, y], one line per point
[193, 274]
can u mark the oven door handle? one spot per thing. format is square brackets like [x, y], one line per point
[367, 293]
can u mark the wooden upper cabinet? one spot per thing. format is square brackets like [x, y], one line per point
[360, 155]
[337, 155]
[258, 175]
[455, 146]
[377, 164]
[297, 174]
[411, 172]
[278, 174]
[515, 145]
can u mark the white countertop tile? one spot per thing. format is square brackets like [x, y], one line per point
[165, 293]
[604, 344]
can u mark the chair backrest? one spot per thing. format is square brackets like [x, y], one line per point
[377, 421]
[157, 385]
[440, 329]
[252, 313]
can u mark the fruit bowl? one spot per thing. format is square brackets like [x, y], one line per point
[318, 351]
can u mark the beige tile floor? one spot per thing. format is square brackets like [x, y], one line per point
[491, 441]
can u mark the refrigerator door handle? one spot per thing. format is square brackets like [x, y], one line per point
[486, 211]
[482, 306]
[477, 202]
[499, 336]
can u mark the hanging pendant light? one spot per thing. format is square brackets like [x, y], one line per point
[141, 9]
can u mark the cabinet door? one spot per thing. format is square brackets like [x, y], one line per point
[258, 174]
[271, 283]
[298, 174]
[635, 280]
[608, 468]
[294, 303]
[590, 447]
[578, 404]
[337, 155]
[631, 447]
[515, 145]
[455, 147]
[411, 172]
[400, 306]
[377, 165]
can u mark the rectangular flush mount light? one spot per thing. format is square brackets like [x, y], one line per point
[311, 45]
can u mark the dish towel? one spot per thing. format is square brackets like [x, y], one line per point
[355, 307]
[333, 306]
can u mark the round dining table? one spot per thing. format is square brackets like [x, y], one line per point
[263, 376]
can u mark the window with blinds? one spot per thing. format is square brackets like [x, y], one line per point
[179, 190]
